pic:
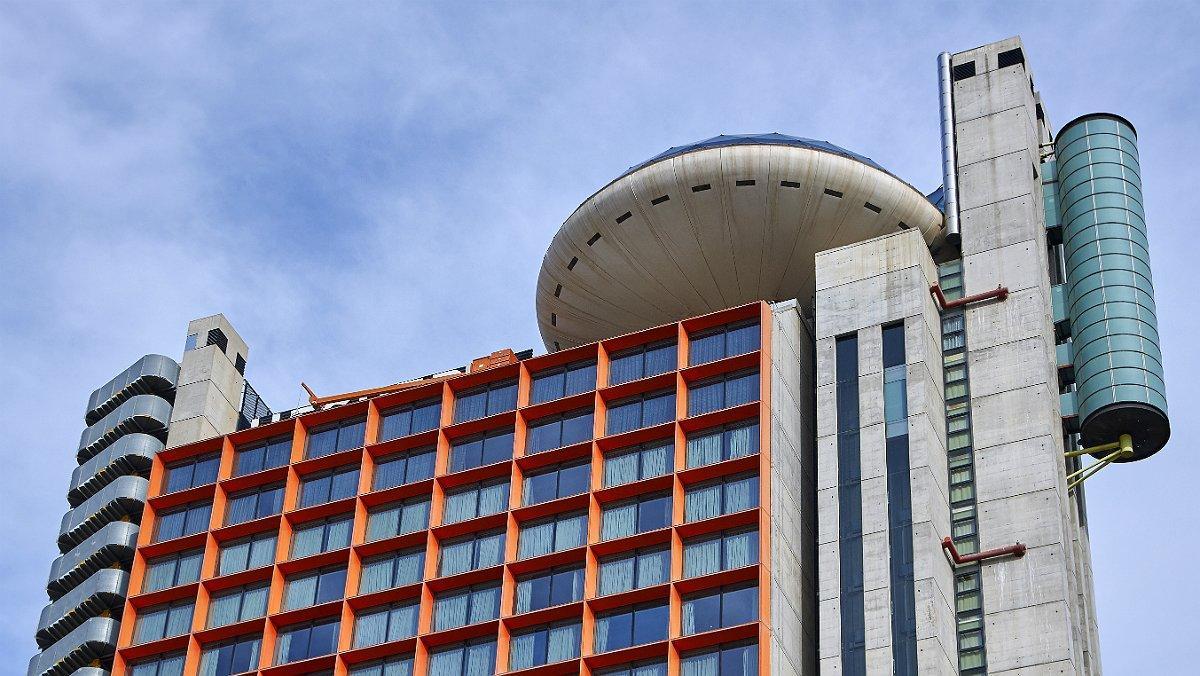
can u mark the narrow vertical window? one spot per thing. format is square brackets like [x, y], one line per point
[899, 498]
[850, 545]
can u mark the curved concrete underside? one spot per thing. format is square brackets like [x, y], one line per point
[739, 223]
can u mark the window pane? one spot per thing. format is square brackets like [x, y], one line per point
[741, 494]
[490, 550]
[660, 359]
[536, 539]
[702, 502]
[618, 521]
[704, 449]
[656, 459]
[613, 632]
[701, 557]
[460, 506]
[570, 532]
[539, 488]
[547, 387]
[653, 568]
[307, 541]
[580, 379]
[322, 443]
[566, 586]
[470, 406]
[739, 606]
[704, 349]
[497, 447]
[617, 575]
[650, 624]
[563, 643]
[351, 435]
[533, 593]
[576, 429]
[502, 398]
[741, 549]
[395, 425]
[659, 410]
[574, 480]
[262, 551]
[621, 469]
[654, 513]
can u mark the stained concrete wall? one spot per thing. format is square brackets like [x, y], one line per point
[793, 501]
[1038, 609]
[859, 289]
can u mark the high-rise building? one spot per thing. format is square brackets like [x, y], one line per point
[796, 417]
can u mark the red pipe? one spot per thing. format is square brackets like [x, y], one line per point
[999, 293]
[1017, 550]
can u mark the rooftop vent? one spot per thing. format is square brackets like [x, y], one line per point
[1010, 58]
[217, 337]
[962, 71]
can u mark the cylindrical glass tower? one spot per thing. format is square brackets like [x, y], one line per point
[1110, 295]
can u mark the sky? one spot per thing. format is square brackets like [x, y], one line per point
[366, 191]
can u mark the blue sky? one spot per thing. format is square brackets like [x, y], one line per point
[366, 191]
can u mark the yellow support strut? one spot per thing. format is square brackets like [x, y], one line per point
[1120, 449]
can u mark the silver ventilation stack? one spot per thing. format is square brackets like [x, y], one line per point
[949, 161]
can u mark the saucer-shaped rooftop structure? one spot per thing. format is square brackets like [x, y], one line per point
[714, 224]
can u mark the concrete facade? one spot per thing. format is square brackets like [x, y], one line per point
[861, 288]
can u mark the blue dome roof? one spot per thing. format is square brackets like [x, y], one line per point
[754, 139]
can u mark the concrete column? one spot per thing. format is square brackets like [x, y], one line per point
[211, 382]
[860, 288]
[1032, 606]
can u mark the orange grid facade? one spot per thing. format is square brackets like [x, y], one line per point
[346, 657]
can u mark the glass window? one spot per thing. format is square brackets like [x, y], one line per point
[723, 551]
[627, 627]
[638, 462]
[312, 588]
[386, 623]
[475, 658]
[723, 607]
[227, 658]
[557, 482]
[255, 551]
[555, 534]
[481, 449]
[485, 400]
[238, 604]
[172, 570]
[261, 456]
[469, 605]
[722, 443]
[339, 436]
[725, 391]
[160, 665]
[549, 588]
[328, 486]
[392, 666]
[410, 419]
[255, 503]
[475, 500]
[651, 668]
[181, 521]
[552, 643]
[324, 535]
[480, 550]
[722, 496]
[558, 431]
[398, 518]
[731, 659]
[192, 472]
[394, 569]
[309, 639]
[634, 570]
[722, 342]
[641, 411]
[158, 622]
[403, 468]
[638, 515]
[641, 362]
[563, 381]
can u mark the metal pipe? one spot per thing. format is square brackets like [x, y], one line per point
[1017, 550]
[999, 293]
[949, 161]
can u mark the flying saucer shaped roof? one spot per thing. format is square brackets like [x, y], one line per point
[714, 224]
